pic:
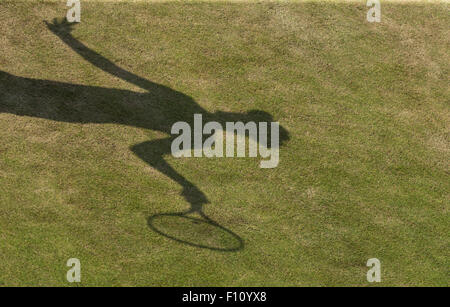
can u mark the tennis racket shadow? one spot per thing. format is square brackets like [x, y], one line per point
[200, 232]
[191, 227]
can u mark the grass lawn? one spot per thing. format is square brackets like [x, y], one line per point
[83, 143]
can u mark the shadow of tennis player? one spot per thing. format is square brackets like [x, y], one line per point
[156, 109]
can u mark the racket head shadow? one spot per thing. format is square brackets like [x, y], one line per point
[201, 232]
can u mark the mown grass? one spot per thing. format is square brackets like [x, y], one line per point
[365, 173]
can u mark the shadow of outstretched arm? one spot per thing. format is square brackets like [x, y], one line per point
[200, 232]
[63, 30]
[153, 153]
[210, 235]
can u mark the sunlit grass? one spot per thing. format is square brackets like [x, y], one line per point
[365, 173]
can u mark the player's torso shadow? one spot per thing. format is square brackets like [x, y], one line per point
[156, 109]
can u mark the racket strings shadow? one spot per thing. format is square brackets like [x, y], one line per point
[200, 232]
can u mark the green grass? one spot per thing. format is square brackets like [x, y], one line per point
[364, 174]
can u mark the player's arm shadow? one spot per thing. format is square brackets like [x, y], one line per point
[153, 152]
[63, 30]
